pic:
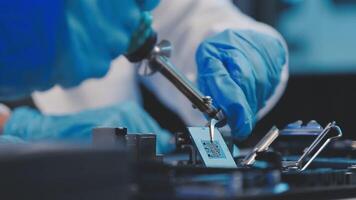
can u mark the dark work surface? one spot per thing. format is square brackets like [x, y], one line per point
[322, 98]
[63, 171]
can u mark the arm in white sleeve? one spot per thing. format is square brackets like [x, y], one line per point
[186, 23]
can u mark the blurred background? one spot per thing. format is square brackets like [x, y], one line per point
[321, 35]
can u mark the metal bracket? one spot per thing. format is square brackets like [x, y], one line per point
[326, 135]
[261, 146]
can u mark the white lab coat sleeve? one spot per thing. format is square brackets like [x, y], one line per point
[186, 23]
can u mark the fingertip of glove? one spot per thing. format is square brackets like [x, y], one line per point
[242, 131]
[17, 122]
[8, 139]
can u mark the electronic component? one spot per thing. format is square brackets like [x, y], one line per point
[141, 146]
[213, 153]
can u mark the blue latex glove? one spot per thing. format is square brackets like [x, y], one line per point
[9, 139]
[43, 42]
[240, 71]
[30, 125]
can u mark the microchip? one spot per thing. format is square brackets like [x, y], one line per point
[213, 153]
[213, 149]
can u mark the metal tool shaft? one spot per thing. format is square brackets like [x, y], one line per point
[166, 68]
[157, 55]
[262, 145]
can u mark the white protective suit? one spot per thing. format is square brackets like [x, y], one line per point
[186, 23]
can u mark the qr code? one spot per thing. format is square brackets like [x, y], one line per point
[213, 149]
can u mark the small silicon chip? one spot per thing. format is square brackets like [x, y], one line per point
[213, 149]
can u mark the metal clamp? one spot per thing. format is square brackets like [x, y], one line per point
[308, 156]
[261, 146]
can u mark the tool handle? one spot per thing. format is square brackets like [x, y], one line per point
[144, 51]
[168, 70]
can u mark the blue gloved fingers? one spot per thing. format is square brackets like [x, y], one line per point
[268, 47]
[238, 66]
[8, 139]
[94, 40]
[98, 38]
[244, 68]
[268, 51]
[254, 61]
[147, 5]
[227, 95]
[31, 125]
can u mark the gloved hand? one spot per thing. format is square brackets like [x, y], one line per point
[30, 125]
[43, 42]
[9, 139]
[240, 71]
[6, 139]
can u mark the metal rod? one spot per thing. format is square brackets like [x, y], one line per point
[261, 146]
[167, 69]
